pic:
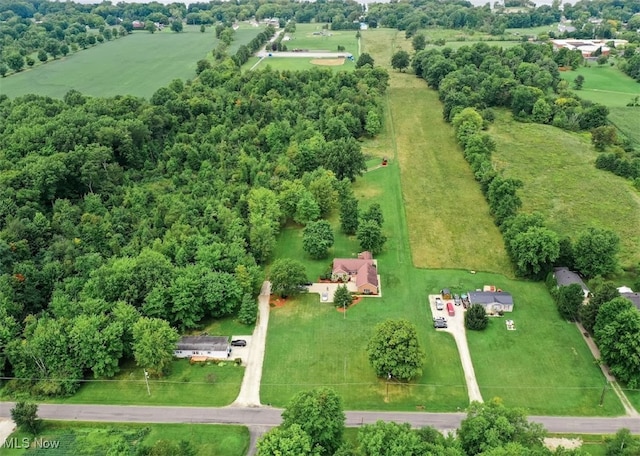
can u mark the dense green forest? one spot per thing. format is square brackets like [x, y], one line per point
[117, 209]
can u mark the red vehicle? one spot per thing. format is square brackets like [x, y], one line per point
[450, 309]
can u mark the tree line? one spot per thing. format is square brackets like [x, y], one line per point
[313, 424]
[121, 218]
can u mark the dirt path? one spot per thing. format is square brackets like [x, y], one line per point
[249, 395]
[455, 326]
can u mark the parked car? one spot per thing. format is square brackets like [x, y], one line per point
[239, 343]
[439, 304]
[439, 319]
[324, 297]
[465, 300]
[439, 324]
[457, 300]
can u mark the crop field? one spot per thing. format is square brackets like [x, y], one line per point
[100, 438]
[561, 182]
[137, 64]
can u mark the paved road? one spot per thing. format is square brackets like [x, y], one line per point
[266, 417]
[249, 395]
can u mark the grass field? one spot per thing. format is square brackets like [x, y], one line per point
[97, 438]
[311, 344]
[626, 120]
[137, 64]
[566, 382]
[324, 40]
[561, 182]
[203, 384]
[604, 84]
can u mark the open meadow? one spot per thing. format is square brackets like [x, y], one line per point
[562, 183]
[137, 64]
[98, 438]
[547, 366]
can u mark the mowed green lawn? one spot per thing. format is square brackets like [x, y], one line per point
[544, 365]
[203, 384]
[312, 344]
[137, 64]
[90, 438]
[300, 64]
[448, 218]
[323, 40]
[604, 84]
[561, 182]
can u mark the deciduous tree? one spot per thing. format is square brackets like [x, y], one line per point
[596, 252]
[569, 300]
[153, 344]
[317, 239]
[364, 59]
[492, 425]
[370, 236]
[290, 441]
[287, 276]
[320, 415]
[400, 60]
[390, 439]
[394, 350]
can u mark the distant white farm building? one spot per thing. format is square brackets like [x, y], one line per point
[215, 347]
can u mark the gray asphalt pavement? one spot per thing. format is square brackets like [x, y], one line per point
[266, 417]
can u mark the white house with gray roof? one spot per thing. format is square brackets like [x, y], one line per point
[564, 277]
[492, 301]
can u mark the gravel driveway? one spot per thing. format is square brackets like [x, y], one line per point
[455, 326]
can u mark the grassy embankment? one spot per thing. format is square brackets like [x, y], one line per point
[546, 366]
[138, 65]
[96, 438]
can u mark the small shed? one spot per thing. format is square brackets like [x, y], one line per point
[446, 293]
[215, 347]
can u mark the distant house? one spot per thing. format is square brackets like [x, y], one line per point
[138, 25]
[588, 48]
[633, 297]
[492, 301]
[564, 277]
[361, 270]
[215, 347]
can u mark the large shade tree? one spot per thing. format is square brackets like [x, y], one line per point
[319, 413]
[394, 350]
[287, 276]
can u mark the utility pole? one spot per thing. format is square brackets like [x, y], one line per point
[146, 379]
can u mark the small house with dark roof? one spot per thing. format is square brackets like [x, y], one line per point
[492, 301]
[633, 297]
[216, 347]
[564, 277]
[361, 270]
